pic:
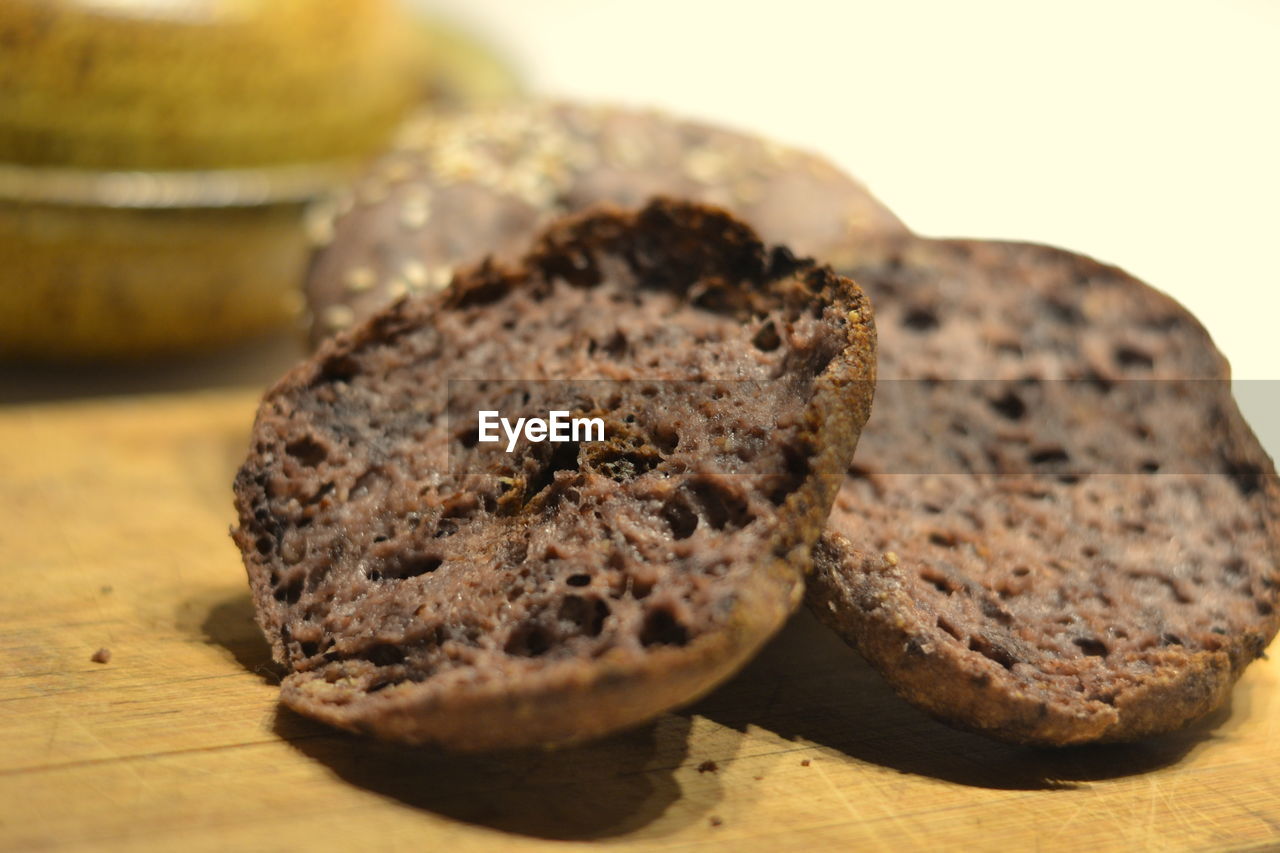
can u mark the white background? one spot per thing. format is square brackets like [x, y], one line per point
[1145, 134]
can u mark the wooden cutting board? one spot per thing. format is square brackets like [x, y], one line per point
[114, 534]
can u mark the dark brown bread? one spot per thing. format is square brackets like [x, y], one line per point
[422, 586]
[458, 188]
[1080, 547]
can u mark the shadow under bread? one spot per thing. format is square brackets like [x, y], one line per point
[613, 786]
[807, 684]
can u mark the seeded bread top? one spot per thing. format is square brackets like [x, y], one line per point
[458, 188]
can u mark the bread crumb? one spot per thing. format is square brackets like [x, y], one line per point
[415, 274]
[804, 763]
[396, 288]
[441, 277]
[891, 558]
[415, 213]
[338, 317]
[359, 279]
[102, 655]
[708, 767]
[759, 778]
[318, 226]
[715, 820]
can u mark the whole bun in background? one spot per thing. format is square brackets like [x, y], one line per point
[458, 188]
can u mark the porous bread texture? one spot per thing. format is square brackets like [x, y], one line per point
[1080, 545]
[460, 187]
[423, 586]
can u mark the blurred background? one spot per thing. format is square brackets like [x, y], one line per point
[1141, 133]
[1145, 134]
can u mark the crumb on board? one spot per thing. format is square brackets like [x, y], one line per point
[715, 820]
[804, 763]
[102, 655]
[708, 767]
[106, 589]
[759, 778]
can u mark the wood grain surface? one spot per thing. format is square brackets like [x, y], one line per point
[114, 534]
